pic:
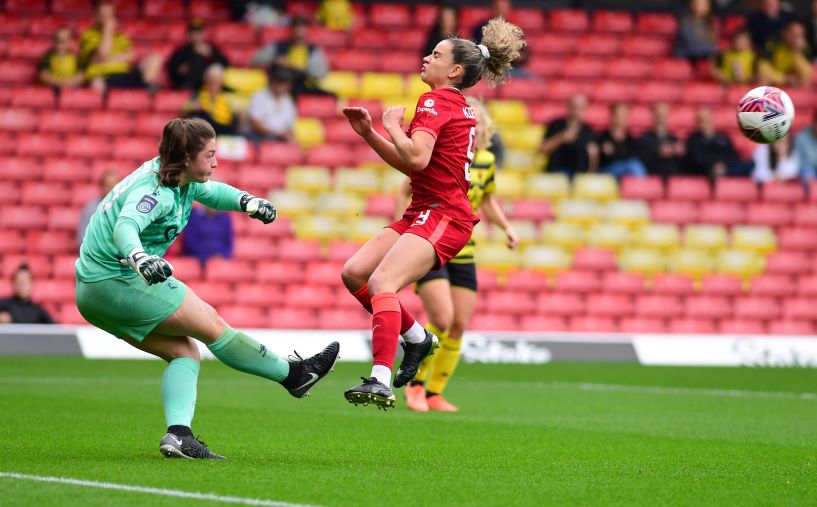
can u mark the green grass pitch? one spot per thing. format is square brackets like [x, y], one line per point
[558, 434]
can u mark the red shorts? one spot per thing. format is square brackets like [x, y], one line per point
[447, 235]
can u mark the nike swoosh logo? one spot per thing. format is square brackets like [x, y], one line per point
[176, 440]
[309, 382]
[375, 327]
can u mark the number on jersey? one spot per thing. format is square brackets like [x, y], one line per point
[472, 136]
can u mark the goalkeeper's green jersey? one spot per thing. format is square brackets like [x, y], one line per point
[140, 212]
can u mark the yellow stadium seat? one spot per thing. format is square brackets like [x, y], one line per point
[664, 237]
[694, 263]
[343, 205]
[497, 257]
[391, 181]
[609, 236]
[522, 161]
[322, 228]
[562, 234]
[359, 181]
[578, 212]
[407, 102]
[596, 187]
[308, 132]
[643, 261]
[291, 203]
[342, 84]
[510, 184]
[525, 231]
[549, 259]
[550, 186]
[415, 87]
[757, 239]
[705, 237]
[509, 112]
[629, 213]
[522, 137]
[740, 263]
[245, 81]
[362, 228]
[382, 85]
[313, 179]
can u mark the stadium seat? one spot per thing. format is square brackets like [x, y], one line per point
[707, 307]
[791, 327]
[285, 272]
[693, 263]
[617, 282]
[34, 97]
[360, 181]
[381, 86]
[627, 68]
[497, 257]
[805, 215]
[658, 306]
[649, 188]
[662, 237]
[585, 68]
[135, 148]
[362, 228]
[12, 242]
[673, 69]
[528, 89]
[309, 179]
[494, 322]
[510, 183]
[688, 188]
[242, 316]
[281, 154]
[594, 259]
[549, 186]
[523, 280]
[50, 242]
[344, 318]
[721, 285]
[215, 293]
[63, 122]
[642, 325]
[769, 214]
[705, 237]
[510, 302]
[292, 203]
[739, 263]
[659, 23]
[776, 286]
[560, 304]
[758, 239]
[262, 176]
[582, 212]
[742, 326]
[798, 238]
[529, 209]
[758, 308]
[628, 212]
[308, 132]
[674, 212]
[80, 98]
[720, 213]
[592, 324]
[111, 123]
[90, 147]
[322, 273]
[170, 102]
[692, 326]
[596, 187]
[610, 92]
[539, 323]
[642, 261]
[697, 93]
[130, 100]
[292, 318]
[568, 20]
[612, 21]
[48, 291]
[672, 285]
[17, 71]
[523, 137]
[547, 259]
[565, 235]
[596, 44]
[162, 9]
[339, 205]
[21, 120]
[650, 92]
[799, 308]
[577, 281]
[609, 236]
[41, 193]
[783, 192]
[381, 206]
[530, 19]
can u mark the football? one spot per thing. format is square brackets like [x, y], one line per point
[765, 114]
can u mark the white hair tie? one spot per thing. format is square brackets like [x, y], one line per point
[484, 50]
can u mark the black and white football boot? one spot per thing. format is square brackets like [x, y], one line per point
[189, 447]
[312, 369]
[413, 355]
[371, 391]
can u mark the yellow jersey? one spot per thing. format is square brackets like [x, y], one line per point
[483, 183]
[89, 41]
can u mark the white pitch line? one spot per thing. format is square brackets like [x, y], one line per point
[153, 491]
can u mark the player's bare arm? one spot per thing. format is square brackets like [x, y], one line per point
[361, 123]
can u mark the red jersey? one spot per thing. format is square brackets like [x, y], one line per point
[444, 183]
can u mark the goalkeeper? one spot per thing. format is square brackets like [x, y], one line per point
[126, 288]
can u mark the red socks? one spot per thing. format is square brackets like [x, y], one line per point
[385, 328]
[406, 319]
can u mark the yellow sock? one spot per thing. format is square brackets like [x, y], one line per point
[443, 364]
[425, 366]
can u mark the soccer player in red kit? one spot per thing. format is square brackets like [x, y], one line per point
[435, 152]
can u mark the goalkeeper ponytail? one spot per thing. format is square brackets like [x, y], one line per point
[182, 139]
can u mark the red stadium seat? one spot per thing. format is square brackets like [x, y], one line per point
[72, 8]
[568, 20]
[10, 193]
[34, 97]
[327, 38]
[673, 69]
[353, 59]
[656, 23]
[39, 145]
[163, 9]
[617, 282]
[243, 316]
[542, 113]
[788, 263]
[11, 241]
[612, 21]
[629, 68]
[28, 48]
[253, 248]
[742, 326]
[771, 214]
[760, 308]
[783, 192]
[45, 194]
[136, 148]
[609, 305]
[642, 325]
[40, 265]
[721, 285]
[296, 250]
[69, 315]
[593, 44]
[130, 100]
[330, 155]
[261, 176]
[210, 10]
[649, 188]
[338, 131]
[805, 215]
[470, 16]
[530, 209]
[778, 286]
[721, 213]
[380, 206]
[692, 326]
[282, 154]
[707, 307]
[530, 281]
[170, 102]
[86, 146]
[487, 280]
[523, 89]
[509, 302]
[688, 188]
[54, 291]
[280, 272]
[594, 259]
[344, 318]
[612, 91]
[592, 324]
[64, 122]
[536, 323]
[412, 41]
[551, 43]
[389, 15]
[17, 72]
[67, 170]
[214, 293]
[239, 269]
[150, 124]
[577, 281]
[20, 169]
[318, 106]
[20, 120]
[80, 98]
[233, 34]
[374, 38]
[657, 306]
[323, 273]
[425, 14]
[806, 285]
[791, 327]
[699, 93]
[275, 33]
[494, 322]
[584, 67]
[670, 284]
[307, 296]
[674, 212]
[735, 190]
[27, 6]
[561, 304]
[797, 238]
[645, 46]
[799, 308]
[187, 269]
[530, 19]
[650, 92]
[13, 24]
[111, 123]
[545, 66]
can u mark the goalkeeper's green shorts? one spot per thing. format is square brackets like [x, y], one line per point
[128, 306]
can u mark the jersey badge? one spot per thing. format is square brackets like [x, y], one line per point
[146, 205]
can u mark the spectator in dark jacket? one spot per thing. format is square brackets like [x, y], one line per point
[766, 22]
[447, 24]
[209, 233]
[570, 143]
[19, 308]
[188, 62]
[709, 152]
[697, 36]
[618, 150]
[661, 150]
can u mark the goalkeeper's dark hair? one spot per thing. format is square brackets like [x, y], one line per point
[504, 41]
[182, 140]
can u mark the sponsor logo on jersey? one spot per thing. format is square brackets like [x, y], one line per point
[171, 233]
[469, 113]
[427, 110]
[147, 204]
[429, 103]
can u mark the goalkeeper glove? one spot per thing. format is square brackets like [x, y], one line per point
[152, 268]
[260, 209]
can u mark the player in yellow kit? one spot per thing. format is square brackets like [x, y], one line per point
[449, 294]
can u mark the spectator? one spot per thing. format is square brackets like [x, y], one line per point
[775, 162]
[272, 111]
[766, 23]
[19, 308]
[447, 24]
[710, 153]
[659, 149]
[107, 181]
[188, 62]
[213, 104]
[811, 29]
[335, 14]
[805, 146]
[736, 64]
[107, 57]
[209, 233]
[59, 67]
[618, 150]
[569, 142]
[499, 8]
[697, 37]
[308, 61]
[786, 61]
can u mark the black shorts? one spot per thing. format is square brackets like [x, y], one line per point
[458, 275]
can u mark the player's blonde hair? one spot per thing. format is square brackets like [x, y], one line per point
[503, 41]
[182, 140]
[484, 119]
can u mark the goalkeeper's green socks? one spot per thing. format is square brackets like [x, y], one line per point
[179, 391]
[242, 353]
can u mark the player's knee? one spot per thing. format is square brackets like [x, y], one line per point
[353, 275]
[380, 283]
[457, 329]
[439, 318]
[183, 348]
